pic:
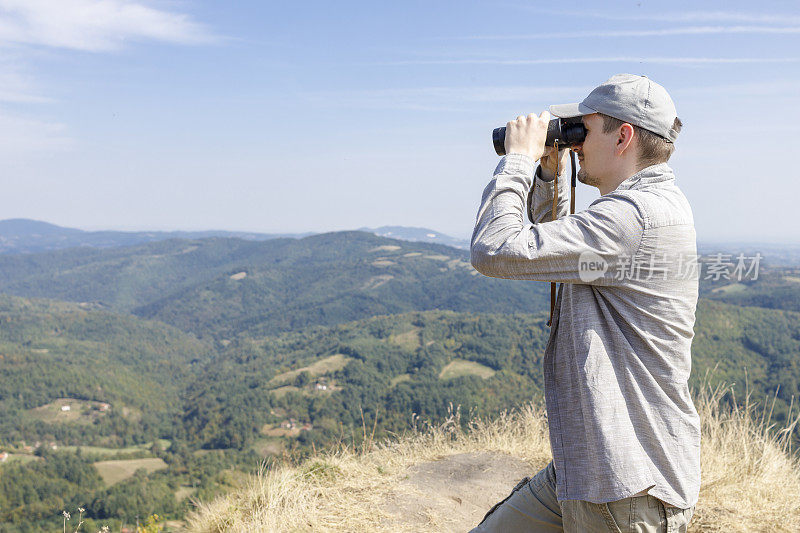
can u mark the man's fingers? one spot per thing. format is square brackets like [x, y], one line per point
[526, 135]
[533, 117]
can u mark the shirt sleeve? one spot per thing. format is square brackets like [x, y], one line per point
[606, 234]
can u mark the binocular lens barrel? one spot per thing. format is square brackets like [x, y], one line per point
[567, 132]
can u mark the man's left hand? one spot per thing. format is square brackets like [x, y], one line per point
[526, 135]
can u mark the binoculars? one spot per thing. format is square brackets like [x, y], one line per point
[566, 132]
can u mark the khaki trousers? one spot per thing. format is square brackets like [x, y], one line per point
[533, 507]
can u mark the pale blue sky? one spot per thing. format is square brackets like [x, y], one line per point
[319, 116]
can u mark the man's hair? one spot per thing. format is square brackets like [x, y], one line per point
[653, 148]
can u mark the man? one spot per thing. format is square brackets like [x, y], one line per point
[624, 433]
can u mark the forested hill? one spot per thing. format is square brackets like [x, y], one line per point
[51, 350]
[419, 362]
[222, 287]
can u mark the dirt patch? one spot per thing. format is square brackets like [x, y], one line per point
[399, 379]
[376, 281]
[131, 414]
[732, 288]
[270, 431]
[281, 391]
[22, 458]
[458, 263]
[238, 276]
[385, 248]
[455, 492]
[409, 340]
[265, 447]
[460, 367]
[184, 492]
[383, 263]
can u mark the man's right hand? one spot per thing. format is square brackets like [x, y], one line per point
[548, 162]
[526, 135]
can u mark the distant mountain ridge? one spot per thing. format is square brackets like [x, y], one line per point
[23, 235]
[220, 287]
[405, 233]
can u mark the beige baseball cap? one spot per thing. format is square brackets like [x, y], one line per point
[633, 99]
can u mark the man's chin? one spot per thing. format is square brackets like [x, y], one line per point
[584, 178]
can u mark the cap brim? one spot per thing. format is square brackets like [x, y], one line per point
[570, 110]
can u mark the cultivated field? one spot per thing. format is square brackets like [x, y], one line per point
[459, 367]
[116, 471]
[80, 411]
[318, 368]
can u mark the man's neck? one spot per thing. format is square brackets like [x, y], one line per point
[624, 173]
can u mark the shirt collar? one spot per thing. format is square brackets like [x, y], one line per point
[648, 176]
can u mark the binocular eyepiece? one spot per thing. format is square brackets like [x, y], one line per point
[567, 132]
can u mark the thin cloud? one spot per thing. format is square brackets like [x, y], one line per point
[86, 25]
[688, 30]
[620, 59]
[93, 25]
[686, 16]
[442, 99]
[460, 94]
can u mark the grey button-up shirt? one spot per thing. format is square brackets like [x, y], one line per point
[618, 360]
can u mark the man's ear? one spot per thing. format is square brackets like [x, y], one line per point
[624, 138]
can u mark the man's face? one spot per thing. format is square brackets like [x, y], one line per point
[596, 153]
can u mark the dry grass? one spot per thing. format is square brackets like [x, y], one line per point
[751, 482]
[750, 474]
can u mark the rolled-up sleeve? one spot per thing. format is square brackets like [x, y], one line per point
[504, 246]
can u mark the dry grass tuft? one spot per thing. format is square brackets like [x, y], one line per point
[751, 481]
[750, 475]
